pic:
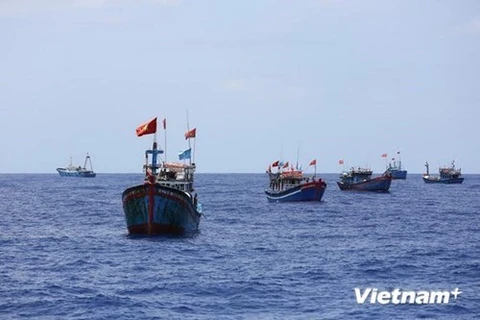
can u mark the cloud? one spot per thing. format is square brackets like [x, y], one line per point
[15, 7]
[471, 27]
[236, 85]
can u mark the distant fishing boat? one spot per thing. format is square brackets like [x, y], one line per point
[291, 185]
[395, 169]
[165, 203]
[448, 175]
[360, 179]
[78, 171]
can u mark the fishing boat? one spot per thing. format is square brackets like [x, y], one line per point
[448, 175]
[394, 168]
[360, 179]
[291, 185]
[78, 171]
[166, 201]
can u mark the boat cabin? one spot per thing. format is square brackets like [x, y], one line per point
[281, 181]
[177, 175]
[450, 172]
[356, 175]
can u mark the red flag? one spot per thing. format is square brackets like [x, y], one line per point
[147, 128]
[313, 162]
[275, 164]
[285, 165]
[164, 123]
[384, 155]
[340, 161]
[191, 134]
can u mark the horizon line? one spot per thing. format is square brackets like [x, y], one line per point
[318, 173]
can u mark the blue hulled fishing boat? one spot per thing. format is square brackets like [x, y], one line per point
[361, 180]
[165, 203]
[78, 171]
[448, 175]
[291, 185]
[395, 169]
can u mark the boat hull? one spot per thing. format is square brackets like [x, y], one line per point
[398, 174]
[309, 191]
[152, 209]
[78, 174]
[379, 184]
[442, 180]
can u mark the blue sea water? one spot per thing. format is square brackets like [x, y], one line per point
[66, 254]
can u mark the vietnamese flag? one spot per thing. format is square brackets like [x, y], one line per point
[147, 128]
[384, 155]
[191, 134]
[340, 161]
[275, 164]
[313, 162]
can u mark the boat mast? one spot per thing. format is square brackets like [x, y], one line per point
[298, 154]
[154, 154]
[189, 143]
[89, 160]
[165, 129]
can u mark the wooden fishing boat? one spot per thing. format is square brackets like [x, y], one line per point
[291, 185]
[166, 202]
[448, 175]
[360, 179]
[395, 169]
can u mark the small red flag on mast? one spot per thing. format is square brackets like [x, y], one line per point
[191, 134]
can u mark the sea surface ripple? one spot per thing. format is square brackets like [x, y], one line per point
[66, 253]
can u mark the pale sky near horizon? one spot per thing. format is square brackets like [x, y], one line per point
[336, 79]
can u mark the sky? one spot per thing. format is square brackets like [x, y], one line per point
[260, 80]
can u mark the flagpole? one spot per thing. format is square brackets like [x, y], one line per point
[189, 144]
[194, 144]
[165, 128]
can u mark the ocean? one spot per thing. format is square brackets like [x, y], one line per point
[66, 253]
